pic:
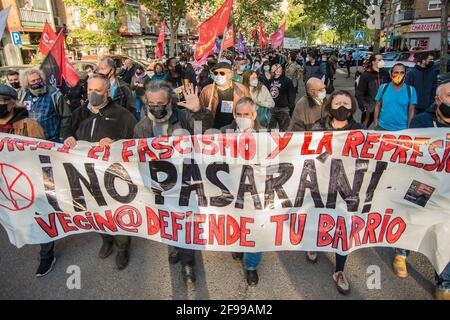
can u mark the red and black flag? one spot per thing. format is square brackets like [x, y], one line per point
[53, 65]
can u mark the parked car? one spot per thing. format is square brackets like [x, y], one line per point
[391, 56]
[413, 56]
[443, 78]
[358, 58]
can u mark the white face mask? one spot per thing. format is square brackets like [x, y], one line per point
[307, 59]
[253, 83]
[381, 64]
[221, 80]
[244, 123]
[322, 95]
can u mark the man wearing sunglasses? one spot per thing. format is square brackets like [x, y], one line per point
[222, 96]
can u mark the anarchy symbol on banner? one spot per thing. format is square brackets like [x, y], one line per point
[16, 189]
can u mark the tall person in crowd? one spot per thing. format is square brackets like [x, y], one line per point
[120, 91]
[423, 77]
[221, 97]
[283, 93]
[369, 83]
[138, 84]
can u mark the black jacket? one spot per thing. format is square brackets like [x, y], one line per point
[124, 96]
[427, 119]
[367, 89]
[283, 92]
[112, 122]
[324, 124]
[127, 75]
[424, 80]
[312, 71]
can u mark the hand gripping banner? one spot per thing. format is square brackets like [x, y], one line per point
[240, 192]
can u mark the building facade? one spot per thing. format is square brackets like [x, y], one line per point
[416, 24]
[139, 31]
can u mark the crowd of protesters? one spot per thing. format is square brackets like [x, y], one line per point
[234, 92]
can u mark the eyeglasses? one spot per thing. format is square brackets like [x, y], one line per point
[222, 73]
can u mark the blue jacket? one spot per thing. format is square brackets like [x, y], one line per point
[425, 83]
[427, 119]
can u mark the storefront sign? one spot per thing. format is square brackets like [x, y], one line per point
[426, 27]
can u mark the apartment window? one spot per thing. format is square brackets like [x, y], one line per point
[33, 4]
[434, 5]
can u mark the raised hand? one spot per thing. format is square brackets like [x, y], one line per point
[192, 102]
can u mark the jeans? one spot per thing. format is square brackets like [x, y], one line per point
[187, 256]
[252, 260]
[402, 252]
[340, 262]
[443, 279]
[46, 252]
[138, 107]
[281, 117]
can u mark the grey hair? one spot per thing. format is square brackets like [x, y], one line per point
[102, 77]
[25, 73]
[110, 62]
[245, 100]
[160, 85]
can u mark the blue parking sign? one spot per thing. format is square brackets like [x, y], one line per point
[16, 39]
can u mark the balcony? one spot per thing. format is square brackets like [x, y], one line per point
[404, 17]
[34, 18]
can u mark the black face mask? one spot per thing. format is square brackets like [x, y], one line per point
[3, 110]
[341, 113]
[37, 86]
[158, 111]
[445, 110]
[431, 64]
[15, 85]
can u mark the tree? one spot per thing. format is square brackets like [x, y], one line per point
[106, 15]
[172, 11]
[444, 36]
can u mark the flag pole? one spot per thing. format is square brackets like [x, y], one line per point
[220, 57]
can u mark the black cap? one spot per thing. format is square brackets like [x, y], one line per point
[222, 65]
[8, 91]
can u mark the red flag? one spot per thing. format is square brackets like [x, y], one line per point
[263, 41]
[48, 38]
[211, 28]
[254, 34]
[278, 37]
[228, 41]
[160, 44]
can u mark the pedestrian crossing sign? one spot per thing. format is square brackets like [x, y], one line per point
[360, 35]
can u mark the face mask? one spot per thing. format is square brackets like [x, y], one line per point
[398, 79]
[430, 64]
[220, 80]
[380, 64]
[341, 113]
[257, 65]
[158, 111]
[266, 68]
[15, 85]
[253, 83]
[37, 89]
[324, 59]
[96, 99]
[3, 110]
[243, 68]
[322, 95]
[244, 123]
[308, 59]
[445, 110]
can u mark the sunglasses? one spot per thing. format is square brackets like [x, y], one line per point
[216, 73]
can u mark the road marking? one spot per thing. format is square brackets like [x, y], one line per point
[341, 71]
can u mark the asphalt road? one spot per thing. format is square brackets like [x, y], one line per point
[283, 275]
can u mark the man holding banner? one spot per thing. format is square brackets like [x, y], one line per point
[103, 121]
[163, 118]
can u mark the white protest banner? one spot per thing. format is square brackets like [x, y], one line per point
[246, 192]
[291, 43]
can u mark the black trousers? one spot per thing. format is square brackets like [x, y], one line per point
[187, 256]
[122, 242]
[46, 252]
